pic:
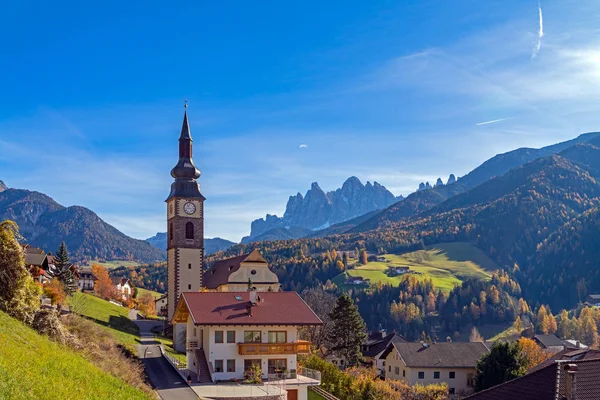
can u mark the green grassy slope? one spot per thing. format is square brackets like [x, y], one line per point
[114, 263]
[110, 315]
[33, 367]
[141, 292]
[447, 264]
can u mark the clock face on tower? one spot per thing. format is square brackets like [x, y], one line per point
[189, 208]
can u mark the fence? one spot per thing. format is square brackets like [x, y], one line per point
[322, 393]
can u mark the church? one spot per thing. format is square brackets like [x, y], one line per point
[231, 320]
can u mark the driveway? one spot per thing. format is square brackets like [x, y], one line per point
[167, 382]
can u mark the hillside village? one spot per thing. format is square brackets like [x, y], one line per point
[234, 330]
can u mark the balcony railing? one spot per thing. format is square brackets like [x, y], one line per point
[303, 375]
[191, 345]
[299, 347]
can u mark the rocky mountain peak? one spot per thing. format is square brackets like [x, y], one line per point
[318, 210]
[451, 179]
[439, 182]
[3, 187]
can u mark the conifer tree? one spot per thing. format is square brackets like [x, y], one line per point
[348, 331]
[64, 269]
[503, 363]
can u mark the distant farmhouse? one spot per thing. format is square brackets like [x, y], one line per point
[38, 264]
[593, 300]
[398, 270]
[357, 280]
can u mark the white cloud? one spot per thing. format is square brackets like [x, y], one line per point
[303, 146]
[538, 45]
[491, 122]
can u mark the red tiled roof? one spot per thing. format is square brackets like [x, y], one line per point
[230, 308]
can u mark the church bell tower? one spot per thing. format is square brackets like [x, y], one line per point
[185, 224]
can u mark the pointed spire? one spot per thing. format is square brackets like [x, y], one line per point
[185, 127]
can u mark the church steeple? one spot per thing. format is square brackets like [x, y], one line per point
[185, 172]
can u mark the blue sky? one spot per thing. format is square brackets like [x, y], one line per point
[398, 92]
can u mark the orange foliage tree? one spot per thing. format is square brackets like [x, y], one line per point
[533, 353]
[104, 287]
[146, 305]
[56, 292]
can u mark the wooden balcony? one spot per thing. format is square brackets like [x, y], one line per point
[191, 345]
[299, 347]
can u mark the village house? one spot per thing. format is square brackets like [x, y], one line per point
[87, 279]
[564, 379]
[123, 286]
[37, 263]
[161, 305]
[452, 363]
[550, 343]
[227, 333]
[377, 343]
[237, 273]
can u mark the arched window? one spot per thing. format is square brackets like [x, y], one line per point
[189, 230]
[171, 231]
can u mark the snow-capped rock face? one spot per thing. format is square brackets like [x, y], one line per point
[318, 210]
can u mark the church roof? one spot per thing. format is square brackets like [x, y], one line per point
[219, 273]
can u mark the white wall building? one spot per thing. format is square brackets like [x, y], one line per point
[228, 332]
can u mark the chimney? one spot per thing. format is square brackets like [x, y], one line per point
[571, 386]
[253, 297]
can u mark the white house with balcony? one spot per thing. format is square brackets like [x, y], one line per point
[227, 333]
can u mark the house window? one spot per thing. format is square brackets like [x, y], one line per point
[390, 368]
[189, 230]
[189, 287]
[230, 336]
[252, 337]
[189, 266]
[249, 363]
[452, 375]
[421, 375]
[218, 336]
[277, 366]
[277, 337]
[436, 374]
[404, 373]
[171, 231]
[230, 365]
[397, 370]
[451, 391]
[218, 365]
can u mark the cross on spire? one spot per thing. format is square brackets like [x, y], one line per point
[185, 103]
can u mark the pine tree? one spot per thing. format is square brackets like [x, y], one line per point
[348, 331]
[65, 270]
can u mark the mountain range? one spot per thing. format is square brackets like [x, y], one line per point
[319, 210]
[210, 245]
[44, 223]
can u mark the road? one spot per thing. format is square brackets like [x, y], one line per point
[167, 382]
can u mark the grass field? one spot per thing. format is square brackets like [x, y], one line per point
[141, 292]
[314, 396]
[33, 367]
[447, 264]
[114, 263]
[109, 315]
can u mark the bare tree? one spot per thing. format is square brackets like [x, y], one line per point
[321, 302]
[475, 336]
